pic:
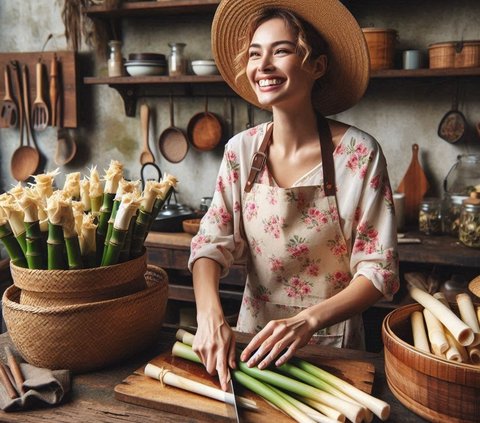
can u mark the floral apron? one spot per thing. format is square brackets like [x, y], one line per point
[298, 253]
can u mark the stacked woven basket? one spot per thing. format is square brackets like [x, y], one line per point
[85, 319]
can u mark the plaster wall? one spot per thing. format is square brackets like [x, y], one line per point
[398, 112]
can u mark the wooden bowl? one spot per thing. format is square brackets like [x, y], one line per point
[191, 226]
[434, 388]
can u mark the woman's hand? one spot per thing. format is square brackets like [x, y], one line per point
[214, 343]
[290, 334]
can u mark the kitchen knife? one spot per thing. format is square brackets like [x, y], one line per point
[233, 407]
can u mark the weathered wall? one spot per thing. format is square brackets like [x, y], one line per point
[397, 112]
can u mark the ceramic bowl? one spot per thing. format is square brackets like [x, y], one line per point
[204, 67]
[145, 68]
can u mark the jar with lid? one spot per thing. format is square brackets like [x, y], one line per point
[469, 230]
[464, 175]
[452, 206]
[430, 216]
[177, 63]
[115, 62]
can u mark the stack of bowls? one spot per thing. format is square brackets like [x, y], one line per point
[144, 64]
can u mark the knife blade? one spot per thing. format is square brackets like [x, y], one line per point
[233, 406]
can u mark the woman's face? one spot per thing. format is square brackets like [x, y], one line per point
[275, 70]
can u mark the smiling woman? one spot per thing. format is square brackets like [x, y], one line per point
[305, 201]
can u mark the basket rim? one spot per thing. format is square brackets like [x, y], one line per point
[387, 331]
[58, 310]
[80, 271]
[474, 286]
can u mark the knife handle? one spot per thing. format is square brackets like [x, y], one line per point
[53, 91]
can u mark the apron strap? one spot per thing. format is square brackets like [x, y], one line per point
[260, 157]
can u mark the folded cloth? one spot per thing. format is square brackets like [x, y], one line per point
[41, 386]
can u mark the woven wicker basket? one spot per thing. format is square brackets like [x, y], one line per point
[454, 54]
[437, 389]
[88, 336]
[51, 288]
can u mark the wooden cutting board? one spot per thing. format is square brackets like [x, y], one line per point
[141, 390]
[414, 185]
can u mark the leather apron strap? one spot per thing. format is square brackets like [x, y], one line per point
[259, 159]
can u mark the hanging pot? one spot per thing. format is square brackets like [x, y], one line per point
[173, 143]
[453, 126]
[205, 130]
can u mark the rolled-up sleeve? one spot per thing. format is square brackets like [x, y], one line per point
[220, 235]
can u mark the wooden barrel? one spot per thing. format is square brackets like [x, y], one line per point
[381, 47]
[437, 389]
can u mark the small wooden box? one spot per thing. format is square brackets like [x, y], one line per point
[454, 54]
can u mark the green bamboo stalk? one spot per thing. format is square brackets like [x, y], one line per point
[22, 241]
[74, 256]
[56, 248]
[116, 205]
[125, 253]
[140, 232]
[115, 246]
[12, 246]
[35, 254]
[103, 221]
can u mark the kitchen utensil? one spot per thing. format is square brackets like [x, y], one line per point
[173, 142]
[141, 390]
[452, 127]
[205, 130]
[54, 91]
[233, 409]
[172, 215]
[66, 146]
[150, 172]
[25, 158]
[414, 185]
[191, 226]
[40, 113]
[146, 156]
[9, 111]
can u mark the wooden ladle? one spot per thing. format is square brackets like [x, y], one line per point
[25, 158]
[146, 156]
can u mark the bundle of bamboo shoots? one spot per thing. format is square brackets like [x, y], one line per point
[302, 390]
[440, 331]
[91, 222]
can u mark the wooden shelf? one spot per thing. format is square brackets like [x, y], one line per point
[425, 73]
[149, 8]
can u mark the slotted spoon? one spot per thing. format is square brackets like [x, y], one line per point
[40, 113]
[9, 112]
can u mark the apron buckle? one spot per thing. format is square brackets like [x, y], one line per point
[258, 161]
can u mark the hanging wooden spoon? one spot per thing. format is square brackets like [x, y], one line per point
[25, 159]
[40, 113]
[146, 156]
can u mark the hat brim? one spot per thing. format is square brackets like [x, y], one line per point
[348, 70]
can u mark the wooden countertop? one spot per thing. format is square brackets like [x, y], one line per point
[92, 396]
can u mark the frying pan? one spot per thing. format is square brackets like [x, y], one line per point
[452, 127]
[205, 130]
[173, 142]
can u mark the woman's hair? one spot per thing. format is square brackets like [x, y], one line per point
[310, 44]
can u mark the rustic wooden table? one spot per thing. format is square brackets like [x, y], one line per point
[92, 396]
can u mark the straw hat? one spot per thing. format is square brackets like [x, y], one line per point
[348, 62]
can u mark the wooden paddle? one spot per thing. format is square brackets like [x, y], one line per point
[414, 185]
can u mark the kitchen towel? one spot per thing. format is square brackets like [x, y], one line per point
[42, 386]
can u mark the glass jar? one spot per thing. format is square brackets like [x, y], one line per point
[464, 175]
[177, 63]
[452, 206]
[469, 230]
[115, 62]
[430, 216]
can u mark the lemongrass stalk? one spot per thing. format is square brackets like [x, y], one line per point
[128, 208]
[309, 411]
[87, 238]
[12, 246]
[379, 407]
[85, 195]
[270, 395]
[168, 184]
[474, 354]
[125, 252]
[95, 191]
[15, 217]
[460, 330]
[183, 336]
[35, 254]
[185, 351]
[168, 377]
[17, 191]
[326, 393]
[113, 175]
[325, 409]
[78, 213]
[436, 332]
[456, 352]
[72, 243]
[468, 315]
[420, 339]
[56, 252]
[72, 185]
